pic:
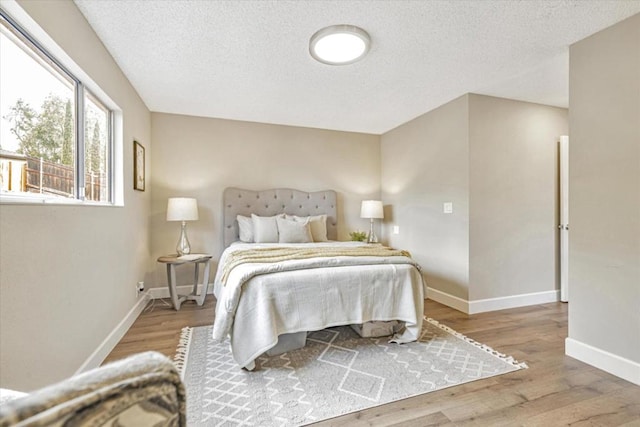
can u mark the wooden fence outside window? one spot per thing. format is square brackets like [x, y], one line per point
[20, 173]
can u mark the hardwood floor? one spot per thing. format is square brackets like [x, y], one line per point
[556, 390]
[158, 327]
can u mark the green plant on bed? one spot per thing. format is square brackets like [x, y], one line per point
[358, 236]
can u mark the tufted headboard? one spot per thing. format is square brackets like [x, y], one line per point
[272, 202]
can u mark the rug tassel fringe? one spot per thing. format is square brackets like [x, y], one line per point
[182, 352]
[509, 359]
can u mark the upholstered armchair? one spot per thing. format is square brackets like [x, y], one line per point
[142, 390]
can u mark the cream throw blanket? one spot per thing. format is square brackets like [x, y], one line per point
[280, 254]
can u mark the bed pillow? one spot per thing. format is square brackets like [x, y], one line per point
[245, 226]
[317, 223]
[291, 231]
[265, 228]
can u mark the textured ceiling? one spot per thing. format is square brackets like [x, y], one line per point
[249, 60]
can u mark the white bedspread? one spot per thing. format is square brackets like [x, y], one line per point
[262, 301]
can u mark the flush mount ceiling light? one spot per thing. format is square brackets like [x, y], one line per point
[339, 44]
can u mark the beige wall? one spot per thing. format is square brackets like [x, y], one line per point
[425, 162]
[200, 157]
[67, 273]
[513, 187]
[496, 160]
[604, 207]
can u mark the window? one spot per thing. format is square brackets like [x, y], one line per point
[97, 153]
[56, 137]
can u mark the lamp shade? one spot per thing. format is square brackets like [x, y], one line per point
[371, 209]
[182, 209]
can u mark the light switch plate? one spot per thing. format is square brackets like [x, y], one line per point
[396, 229]
[447, 207]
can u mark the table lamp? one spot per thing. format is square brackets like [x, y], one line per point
[182, 209]
[371, 209]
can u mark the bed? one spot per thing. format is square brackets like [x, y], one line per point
[270, 294]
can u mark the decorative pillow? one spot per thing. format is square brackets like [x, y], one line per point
[317, 223]
[265, 228]
[293, 231]
[245, 226]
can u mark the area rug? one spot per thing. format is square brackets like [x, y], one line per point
[337, 372]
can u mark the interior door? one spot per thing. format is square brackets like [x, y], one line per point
[564, 218]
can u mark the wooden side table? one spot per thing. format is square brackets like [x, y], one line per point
[196, 259]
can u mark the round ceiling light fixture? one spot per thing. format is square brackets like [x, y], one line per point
[339, 44]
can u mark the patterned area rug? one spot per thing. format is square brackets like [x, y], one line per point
[337, 372]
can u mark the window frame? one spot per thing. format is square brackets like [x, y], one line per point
[114, 197]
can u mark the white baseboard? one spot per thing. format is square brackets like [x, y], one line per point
[492, 304]
[513, 301]
[601, 359]
[163, 292]
[109, 343]
[448, 300]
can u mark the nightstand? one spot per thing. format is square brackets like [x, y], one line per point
[196, 259]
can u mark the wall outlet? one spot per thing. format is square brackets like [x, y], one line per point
[139, 287]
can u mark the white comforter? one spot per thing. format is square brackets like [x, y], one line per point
[262, 301]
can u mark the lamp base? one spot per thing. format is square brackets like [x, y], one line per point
[183, 247]
[372, 238]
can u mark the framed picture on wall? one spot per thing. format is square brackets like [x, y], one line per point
[138, 166]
